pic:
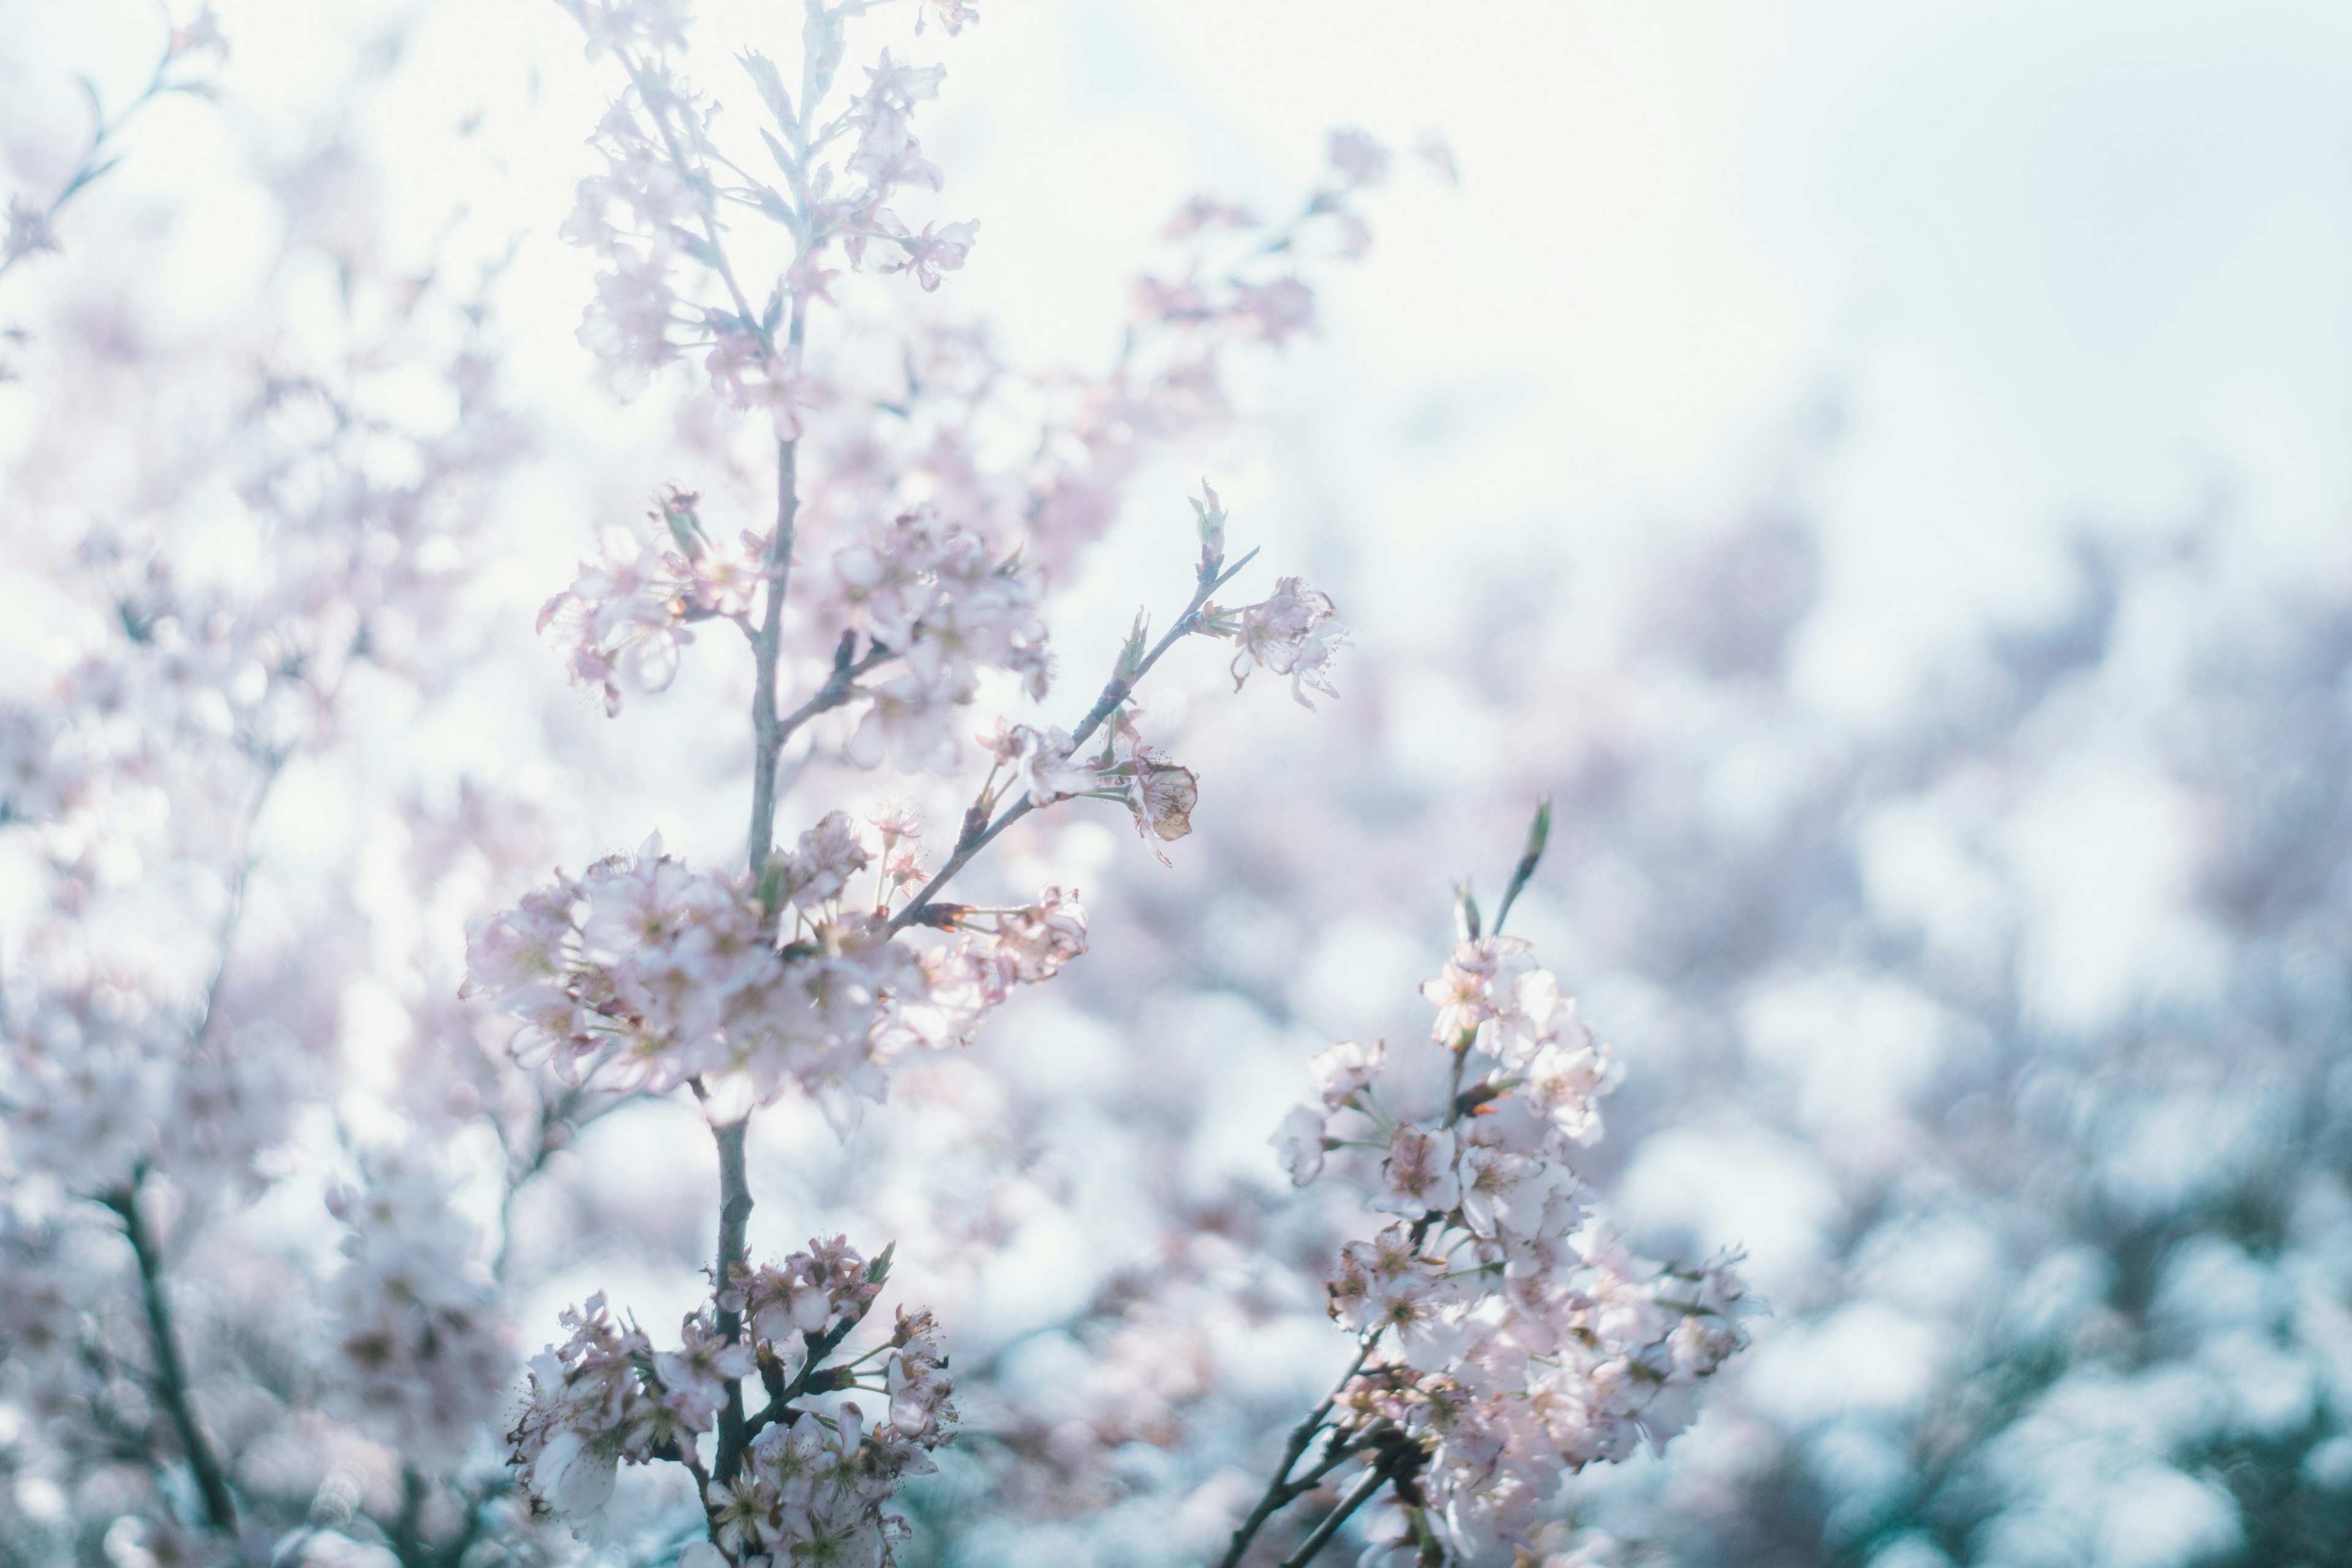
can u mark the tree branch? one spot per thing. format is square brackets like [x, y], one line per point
[103, 130]
[170, 1379]
[734, 1213]
[407, 1528]
[768, 731]
[839, 688]
[1276, 1493]
[1358, 1496]
[781, 1394]
[979, 832]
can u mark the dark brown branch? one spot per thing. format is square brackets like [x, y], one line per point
[781, 1394]
[170, 1379]
[1358, 1496]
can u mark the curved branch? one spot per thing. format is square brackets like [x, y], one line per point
[1358, 1496]
[171, 1380]
[1278, 1491]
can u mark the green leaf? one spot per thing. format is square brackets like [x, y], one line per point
[1465, 913]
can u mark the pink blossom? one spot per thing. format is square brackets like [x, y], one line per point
[935, 250]
[1357, 159]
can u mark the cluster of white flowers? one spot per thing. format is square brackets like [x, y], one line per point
[1510, 1340]
[656, 203]
[933, 601]
[287, 526]
[1224, 288]
[627, 614]
[173, 1065]
[812, 1482]
[887, 156]
[903, 571]
[938, 598]
[658, 974]
[636, 311]
[425, 1351]
[103, 1084]
[1236, 281]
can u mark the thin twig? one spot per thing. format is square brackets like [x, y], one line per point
[839, 688]
[767, 730]
[1358, 1496]
[1276, 1496]
[103, 131]
[979, 832]
[233, 914]
[781, 1394]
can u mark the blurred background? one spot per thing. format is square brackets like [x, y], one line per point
[1881, 468]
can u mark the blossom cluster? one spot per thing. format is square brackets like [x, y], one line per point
[933, 601]
[937, 595]
[657, 973]
[213, 1016]
[627, 613]
[425, 1350]
[1224, 287]
[1509, 1338]
[658, 205]
[812, 1482]
[279, 568]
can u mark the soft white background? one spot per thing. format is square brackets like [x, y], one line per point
[2032, 265]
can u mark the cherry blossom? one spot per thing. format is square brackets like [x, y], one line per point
[1506, 1340]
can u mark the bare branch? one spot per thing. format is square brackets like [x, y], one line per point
[170, 1382]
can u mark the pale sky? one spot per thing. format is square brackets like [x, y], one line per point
[2047, 264]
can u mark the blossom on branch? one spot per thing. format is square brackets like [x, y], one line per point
[1508, 1340]
[814, 1482]
[1294, 633]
